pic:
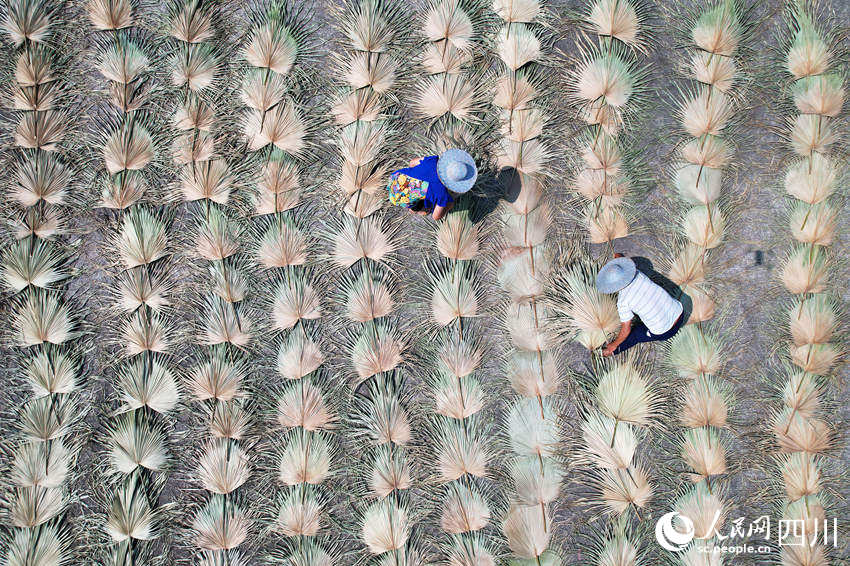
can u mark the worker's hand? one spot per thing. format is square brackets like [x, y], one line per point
[608, 350]
[415, 161]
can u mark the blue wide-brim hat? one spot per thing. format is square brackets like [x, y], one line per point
[615, 275]
[456, 170]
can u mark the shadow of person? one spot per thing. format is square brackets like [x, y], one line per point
[645, 266]
[491, 188]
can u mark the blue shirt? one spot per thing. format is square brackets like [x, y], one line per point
[437, 193]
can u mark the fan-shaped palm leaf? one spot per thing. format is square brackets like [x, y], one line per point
[110, 14]
[385, 527]
[527, 531]
[298, 356]
[128, 148]
[464, 510]
[220, 525]
[273, 47]
[223, 466]
[718, 30]
[44, 177]
[43, 318]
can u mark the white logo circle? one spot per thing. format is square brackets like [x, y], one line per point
[667, 535]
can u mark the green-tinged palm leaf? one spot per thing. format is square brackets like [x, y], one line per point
[527, 530]
[51, 372]
[228, 282]
[464, 510]
[130, 514]
[195, 68]
[374, 70]
[123, 190]
[517, 46]
[814, 224]
[192, 23]
[300, 514]
[805, 270]
[123, 62]
[811, 134]
[27, 20]
[224, 323]
[801, 475]
[43, 177]
[579, 310]
[472, 549]
[809, 54]
[360, 239]
[41, 130]
[822, 95]
[136, 442]
[44, 545]
[811, 180]
[295, 300]
[447, 20]
[624, 394]
[303, 405]
[43, 318]
[34, 506]
[110, 14]
[532, 427]
[714, 70]
[528, 378]
[460, 357]
[218, 236]
[229, 420]
[618, 19]
[460, 451]
[148, 383]
[813, 320]
[701, 506]
[137, 288]
[695, 352]
[704, 226]
[272, 47]
[223, 466]
[218, 379]
[536, 482]
[306, 458]
[206, 180]
[698, 184]
[704, 452]
[385, 419]
[282, 126]
[38, 264]
[706, 404]
[390, 471]
[718, 30]
[707, 113]
[43, 464]
[517, 10]
[376, 351]
[605, 80]
[261, 91]
[220, 525]
[618, 550]
[46, 418]
[145, 333]
[802, 393]
[130, 148]
[298, 356]
[385, 527]
[609, 444]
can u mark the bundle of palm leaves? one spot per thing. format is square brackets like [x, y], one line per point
[34, 270]
[605, 88]
[810, 179]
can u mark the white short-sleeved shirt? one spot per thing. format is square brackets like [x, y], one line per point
[655, 307]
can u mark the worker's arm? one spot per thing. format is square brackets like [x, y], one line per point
[625, 330]
[415, 161]
[440, 211]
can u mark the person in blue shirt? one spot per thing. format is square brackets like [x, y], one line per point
[449, 174]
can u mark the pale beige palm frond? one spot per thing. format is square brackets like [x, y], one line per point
[110, 14]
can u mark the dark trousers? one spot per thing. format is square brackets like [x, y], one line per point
[640, 333]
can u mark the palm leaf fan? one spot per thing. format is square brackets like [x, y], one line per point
[45, 419]
[511, 11]
[363, 184]
[527, 531]
[359, 239]
[813, 224]
[299, 515]
[603, 80]
[143, 238]
[38, 264]
[123, 190]
[808, 54]
[811, 180]
[306, 458]
[595, 184]
[137, 288]
[385, 527]
[41, 465]
[298, 356]
[34, 67]
[708, 151]
[822, 95]
[533, 374]
[272, 47]
[800, 474]
[695, 353]
[454, 296]
[123, 62]
[367, 298]
[295, 300]
[688, 267]
[110, 14]
[624, 394]
[227, 281]
[459, 451]
[369, 26]
[43, 318]
[529, 157]
[44, 223]
[362, 142]
[457, 237]
[35, 99]
[705, 404]
[148, 383]
[385, 419]
[522, 125]
[44, 545]
[262, 91]
[533, 428]
[605, 223]
[802, 392]
[223, 323]
[390, 472]
[701, 506]
[818, 359]
[579, 309]
[218, 236]
[528, 327]
[128, 148]
[446, 20]
[609, 444]
[813, 320]
[618, 19]
[796, 433]
[144, 333]
[517, 46]
[704, 452]
[707, 113]
[698, 184]
[302, 405]
[282, 244]
[447, 95]
[714, 70]
[130, 515]
[278, 187]
[515, 92]
[718, 30]
[51, 372]
[811, 134]
[41, 130]
[217, 379]
[805, 270]
[528, 230]
[617, 550]
[220, 525]
[459, 356]
[194, 114]
[223, 466]
[456, 397]
[281, 126]
[229, 420]
[536, 482]
[523, 273]
[206, 180]
[194, 69]
[44, 177]
[704, 226]
[374, 70]
[135, 441]
[361, 105]
[464, 510]
[444, 58]
[27, 20]
[621, 489]
[192, 23]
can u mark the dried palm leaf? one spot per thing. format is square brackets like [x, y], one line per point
[123, 63]
[223, 324]
[624, 394]
[223, 466]
[595, 184]
[808, 54]
[360, 239]
[302, 405]
[123, 190]
[195, 68]
[43, 318]
[707, 113]
[698, 184]
[41, 130]
[822, 95]
[192, 23]
[533, 428]
[464, 510]
[703, 305]
[217, 379]
[362, 105]
[385, 527]
[688, 266]
[457, 237]
[32, 263]
[218, 237]
[228, 282]
[281, 245]
[704, 226]
[708, 151]
[46, 419]
[128, 148]
[369, 26]
[454, 296]
[811, 180]
[34, 67]
[44, 545]
[802, 393]
[621, 489]
[616, 19]
[194, 114]
[523, 273]
[442, 57]
[527, 530]
[278, 187]
[361, 143]
[148, 383]
[136, 442]
[457, 397]
[704, 452]
[282, 126]
[385, 419]
[528, 230]
[447, 20]
[796, 433]
[517, 46]
[44, 224]
[262, 91]
[44, 177]
[273, 47]
[604, 80]
[298, 356]
[300, 515]
[718, 30]
[41, 464]
[813, 224]
[805, 270]
[695, 353]
[295, 300]
[367, 298]
[390, 472]
[130, 516]
[813, 320]
[605, 223]
[51, 372]
[609, 444]
[515, 92]
[220, 524]
[41, 98]
[536, 482]
[459, 451]
[580, 311]
[533, 374]
[529, 157]
[27, 21]
[811, 134]
[517, 10]
[801, 475]
[460, 357]
[193, 147]
[356, 180]
[706, 404]
[450, 94]
[714, 70]
[704, 508]
[818, 359]
[143, 238]
[207, 180]
[374, 70]
[110, 14]
[229, 420]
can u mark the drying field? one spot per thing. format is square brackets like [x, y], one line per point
[222, 346]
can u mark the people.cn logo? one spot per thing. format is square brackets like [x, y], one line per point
[671, 539]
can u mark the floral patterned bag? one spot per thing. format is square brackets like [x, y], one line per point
[405, 190]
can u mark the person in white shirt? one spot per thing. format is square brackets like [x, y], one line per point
[660, 314]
